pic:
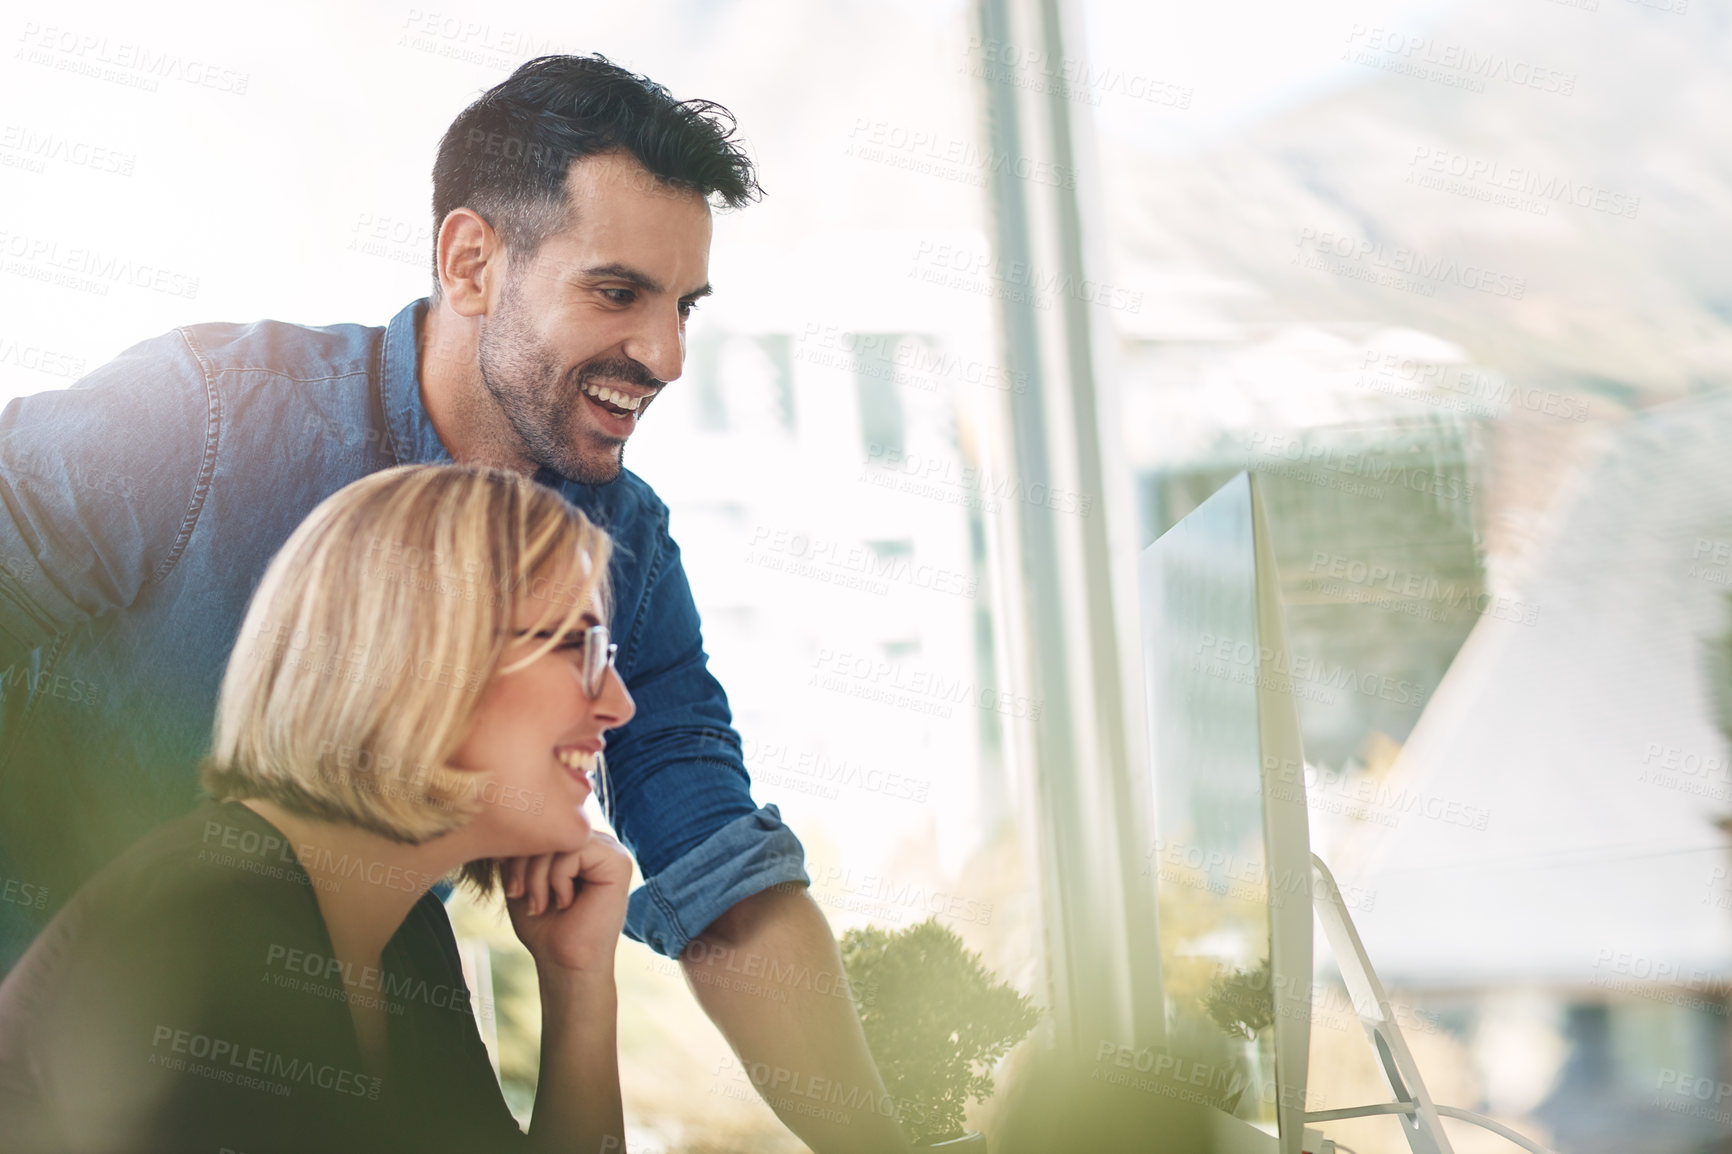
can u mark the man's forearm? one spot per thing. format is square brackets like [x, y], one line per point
[577, 1099]
[769, 975]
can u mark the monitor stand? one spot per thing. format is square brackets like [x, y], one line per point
[1412, 1105]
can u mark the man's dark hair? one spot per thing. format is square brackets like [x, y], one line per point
[507, 154]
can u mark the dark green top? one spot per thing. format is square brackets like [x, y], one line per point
[187, 999]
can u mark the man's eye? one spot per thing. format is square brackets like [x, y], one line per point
[619, 296]
[686, 308]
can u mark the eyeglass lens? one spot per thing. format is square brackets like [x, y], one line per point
[598, 656]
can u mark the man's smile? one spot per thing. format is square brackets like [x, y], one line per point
[616, 400]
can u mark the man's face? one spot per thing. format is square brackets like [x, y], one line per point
[587, 330]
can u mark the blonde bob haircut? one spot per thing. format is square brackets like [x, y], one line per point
[367, 644]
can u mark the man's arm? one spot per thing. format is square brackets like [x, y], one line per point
[802, 1046]
[723, 874]
[100, 484]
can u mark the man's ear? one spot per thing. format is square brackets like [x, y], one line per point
[470, 262]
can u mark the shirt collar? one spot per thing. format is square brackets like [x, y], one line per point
[412, 433]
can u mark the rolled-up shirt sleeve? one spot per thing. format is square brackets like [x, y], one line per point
[747, 856]
[681, 796]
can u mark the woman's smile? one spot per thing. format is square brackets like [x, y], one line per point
[580, 763]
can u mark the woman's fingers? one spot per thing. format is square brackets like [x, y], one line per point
[536, 882]
[605, 859]
[563, 876]
[553, 881]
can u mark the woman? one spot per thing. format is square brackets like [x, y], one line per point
[421, 686]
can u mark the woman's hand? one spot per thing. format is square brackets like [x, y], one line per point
[569, 908]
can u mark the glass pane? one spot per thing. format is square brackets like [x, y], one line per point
[1434, 271]
[817, 455]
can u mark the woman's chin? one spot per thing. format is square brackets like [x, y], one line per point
[571, 837]
[523, 835]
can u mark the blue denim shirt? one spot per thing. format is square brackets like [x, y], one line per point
[141, 506]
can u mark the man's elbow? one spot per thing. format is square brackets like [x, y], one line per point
[750, 917]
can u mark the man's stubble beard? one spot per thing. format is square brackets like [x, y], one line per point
[538, 401]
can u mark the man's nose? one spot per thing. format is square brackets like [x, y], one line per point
[660, 345]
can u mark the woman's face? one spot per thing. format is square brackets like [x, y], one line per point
[536, 735]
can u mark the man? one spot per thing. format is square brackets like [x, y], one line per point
[572, 209]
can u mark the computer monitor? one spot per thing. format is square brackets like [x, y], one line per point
[1237, 884]
[1231, 846]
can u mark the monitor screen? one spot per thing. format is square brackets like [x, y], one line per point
[1198, 592]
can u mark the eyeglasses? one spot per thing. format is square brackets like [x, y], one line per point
[603, 786]
[599, 655]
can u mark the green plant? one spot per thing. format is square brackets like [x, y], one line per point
[1242, 1002]
[936, 1020]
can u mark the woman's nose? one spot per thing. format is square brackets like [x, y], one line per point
[614, 707]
